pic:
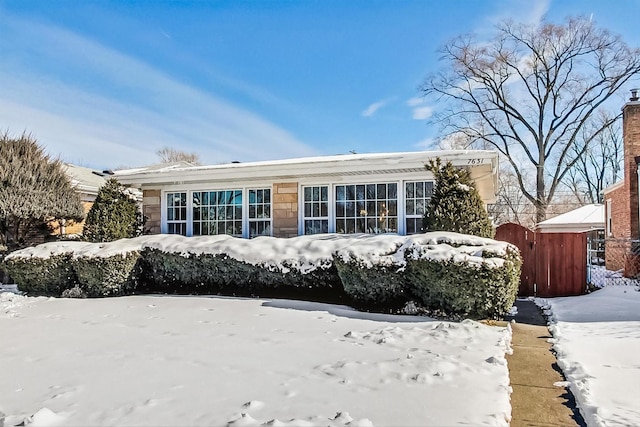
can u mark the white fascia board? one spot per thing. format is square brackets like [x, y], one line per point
[307, 167]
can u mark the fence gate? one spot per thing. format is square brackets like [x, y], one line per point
[553, 264]
[524, 240]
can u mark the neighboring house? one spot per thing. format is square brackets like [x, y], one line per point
[585, 218]
[352, 193]
[621, 199]
[87, 183]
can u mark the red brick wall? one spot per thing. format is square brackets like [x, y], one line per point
[624, 199]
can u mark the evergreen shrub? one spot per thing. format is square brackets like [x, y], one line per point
[114, 215]
[42, 276]
[105, 276]
[372, 286]
[463, 289]
[206, 273]
[455, 204]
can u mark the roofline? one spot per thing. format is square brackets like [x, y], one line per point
[310, 166]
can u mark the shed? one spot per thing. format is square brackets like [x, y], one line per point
[585, 218]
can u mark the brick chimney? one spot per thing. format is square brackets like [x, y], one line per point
[631, 139]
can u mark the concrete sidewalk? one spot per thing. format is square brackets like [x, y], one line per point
[533, 370]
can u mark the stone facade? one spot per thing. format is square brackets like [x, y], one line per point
[152, 211]
[285, 209]
[621, 201]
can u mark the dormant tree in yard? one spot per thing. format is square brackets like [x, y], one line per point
[531, 92]
[600, 164]
[34, 189]
[171, 155]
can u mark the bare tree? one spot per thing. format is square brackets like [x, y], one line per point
[530, 92]
[171, 155]
[600, 164]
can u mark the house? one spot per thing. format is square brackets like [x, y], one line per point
[621, 199]
[585, 218]
[352, 193]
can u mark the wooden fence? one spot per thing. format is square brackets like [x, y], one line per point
[554, 264]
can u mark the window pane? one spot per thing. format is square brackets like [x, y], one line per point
[360, 192]
[371, 191]
[267, 195]
[324, 196]
[351, 192]
[409, 190]
[340, 193]
[307, 194]
[316, 194]
[382, 191]
[392, 191]
[315, 211]
[420, 189]
[324, 209]
[411, 207]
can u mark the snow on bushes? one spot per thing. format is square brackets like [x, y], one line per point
[449, 273]
[44, 269]
[453, 273]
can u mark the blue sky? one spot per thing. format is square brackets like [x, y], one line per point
[106, 83]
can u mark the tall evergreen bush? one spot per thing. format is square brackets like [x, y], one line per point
[34, 189]
[115, 214]
[455, 204]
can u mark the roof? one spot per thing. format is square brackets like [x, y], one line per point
[85, 180]
[584, 218]
[482, 164]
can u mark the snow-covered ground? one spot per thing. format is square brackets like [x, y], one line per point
[154, 360]
[597, 340]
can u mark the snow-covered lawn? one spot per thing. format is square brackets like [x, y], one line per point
[597, 340]
[153, 360]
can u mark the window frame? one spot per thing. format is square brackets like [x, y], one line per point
[364, 220]
[247, 208]
[424, 199]
[303, 203]
[166, 224]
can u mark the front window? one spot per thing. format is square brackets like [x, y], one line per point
[177, 213]
[367, 208]
[417, 197]
[316, 209]
[217, 212]
[260, 212]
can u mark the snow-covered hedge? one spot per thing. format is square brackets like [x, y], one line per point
[467, 281]
[452, 273]
[104, 270]
[45, 269]
[215, 264]
[449, 273]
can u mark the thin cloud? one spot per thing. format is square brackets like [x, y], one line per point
[127, 110]
[373, 108]
[414, 102]
[422, 113]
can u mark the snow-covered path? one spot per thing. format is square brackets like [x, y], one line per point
[151, 360]
[597, 340]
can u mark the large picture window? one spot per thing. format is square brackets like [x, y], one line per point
[367, 208]
[417, 196]
[260, 212]
[316, 209]
[177, 213]
[217, 212]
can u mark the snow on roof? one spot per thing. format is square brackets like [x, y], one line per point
[84, 179]
[399, 156]
[585, 217]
